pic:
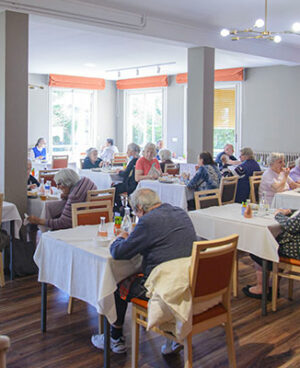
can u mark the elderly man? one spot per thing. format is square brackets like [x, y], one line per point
[108, 151]
[228, 150]
[163, 233]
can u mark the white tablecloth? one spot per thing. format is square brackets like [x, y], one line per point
[11, 213]
[289, 199]
[175, 194]
[101, 179]
[256, 235]
[69, 260]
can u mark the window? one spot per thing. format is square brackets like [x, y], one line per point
[144, 116]
[72, 121]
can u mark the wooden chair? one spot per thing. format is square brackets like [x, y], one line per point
[60, 161]
[171, 169]
[289, 269]
[81, 163]
[257, 173]
[2, 278]
[254, 188]
[210, 276]
[228, 189]
[102, 195]
[119, 159]
[207, 198]
[4, 346]
[48, 175]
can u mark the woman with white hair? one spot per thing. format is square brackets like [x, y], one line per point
[276, 178]
[147, 167]
[295, 172]
[92, 160]
[165, 156]
[74, 190]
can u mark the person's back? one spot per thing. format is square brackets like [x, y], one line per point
[245, 170]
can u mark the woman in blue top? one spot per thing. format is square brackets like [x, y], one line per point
[39, 150]
[92, 160]
[207, 177]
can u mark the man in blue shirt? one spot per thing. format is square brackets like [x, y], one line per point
[228, 150]
[163, 233]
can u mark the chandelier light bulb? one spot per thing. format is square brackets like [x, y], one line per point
[277, 39]
[225, 32]
[296, 27]
[259, 23]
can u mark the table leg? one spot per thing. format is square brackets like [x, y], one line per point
[265, 288]
[11, 249]
[106, 343]
[44, 307]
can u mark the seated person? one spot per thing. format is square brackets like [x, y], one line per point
[92, 160]
[225, 171]
[39, 150]
[32, 183]
[165, 156]
[289, 246]
[147, 167]
[295, 172]
[276, 178]
[129, 184]
[228, 150]
[108, 150]
[163, 233]
[244, 171]
[207, 177]
[159, 146]
[74, 190]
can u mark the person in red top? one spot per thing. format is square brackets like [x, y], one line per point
[147, 167]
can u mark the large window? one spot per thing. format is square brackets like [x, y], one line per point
[144, 116]
[72, 121]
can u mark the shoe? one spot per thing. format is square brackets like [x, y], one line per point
[116, 345]
[247, 292]
[171, 347]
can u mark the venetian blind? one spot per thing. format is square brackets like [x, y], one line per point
[224, 108]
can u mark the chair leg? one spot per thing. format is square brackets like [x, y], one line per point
[135, 336]
[274, 286]
[70, 305]
[2, 279]
[291, 285]
[100, 324]
[230, 342]
[235, 276]
[188, 352]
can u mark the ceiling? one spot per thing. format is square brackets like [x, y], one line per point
[64, 47]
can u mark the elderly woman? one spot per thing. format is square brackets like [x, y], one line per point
[92, 160]
[295, 172]
[276, 178]
[32, 183]
[165, 156]
[74, 190]
[129, 183]
[147, 167]
[244, 171]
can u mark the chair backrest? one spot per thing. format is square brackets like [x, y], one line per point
[81, 163]
[254, 188]
[291, 164]
[207, 198]
[89, 213]
[60, 161]
[257, 173]
[102, 195]
[1, 206]
[170, 167]
[228, 189]
[212, 267]
[119, 158]
[48, 175]
[4, 346]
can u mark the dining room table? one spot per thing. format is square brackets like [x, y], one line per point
[288, 199]
[79, 263]
[257, 235]
[39, 165]
[103, 178]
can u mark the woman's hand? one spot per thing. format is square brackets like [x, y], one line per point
[285, 212]
[185, 176]
[286, 171]
[31, 186]
[36, 220]
[293, 185]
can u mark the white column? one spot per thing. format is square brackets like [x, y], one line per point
[200, 101]
[14, 107]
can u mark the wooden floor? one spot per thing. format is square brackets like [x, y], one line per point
[272, 341]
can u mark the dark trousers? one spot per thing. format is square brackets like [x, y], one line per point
[259, 260]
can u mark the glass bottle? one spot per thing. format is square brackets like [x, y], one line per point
[42, 186]
[126, 223]
[47, 187]
[102, 230]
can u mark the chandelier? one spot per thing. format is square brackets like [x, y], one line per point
[254, 32]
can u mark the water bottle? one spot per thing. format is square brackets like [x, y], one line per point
[126, 223]
[263, 204]
[47, 187]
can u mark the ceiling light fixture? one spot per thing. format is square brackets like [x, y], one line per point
[137, 68]
[253, 33]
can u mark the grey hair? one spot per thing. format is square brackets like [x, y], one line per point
[274, 156]
[90, 150]
[165, 154]
[134, 147]
[247, 151]
[67, 177]
[150, 146]
[144, 199]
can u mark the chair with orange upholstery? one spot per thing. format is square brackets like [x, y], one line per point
[4, 346]
[48, 175]
[171, 169]
[102, 195]
[119, 159]
[210, 276]
[60, 161]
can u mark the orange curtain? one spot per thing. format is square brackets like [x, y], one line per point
[68, 81]
[145, 82]
[221, 75]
